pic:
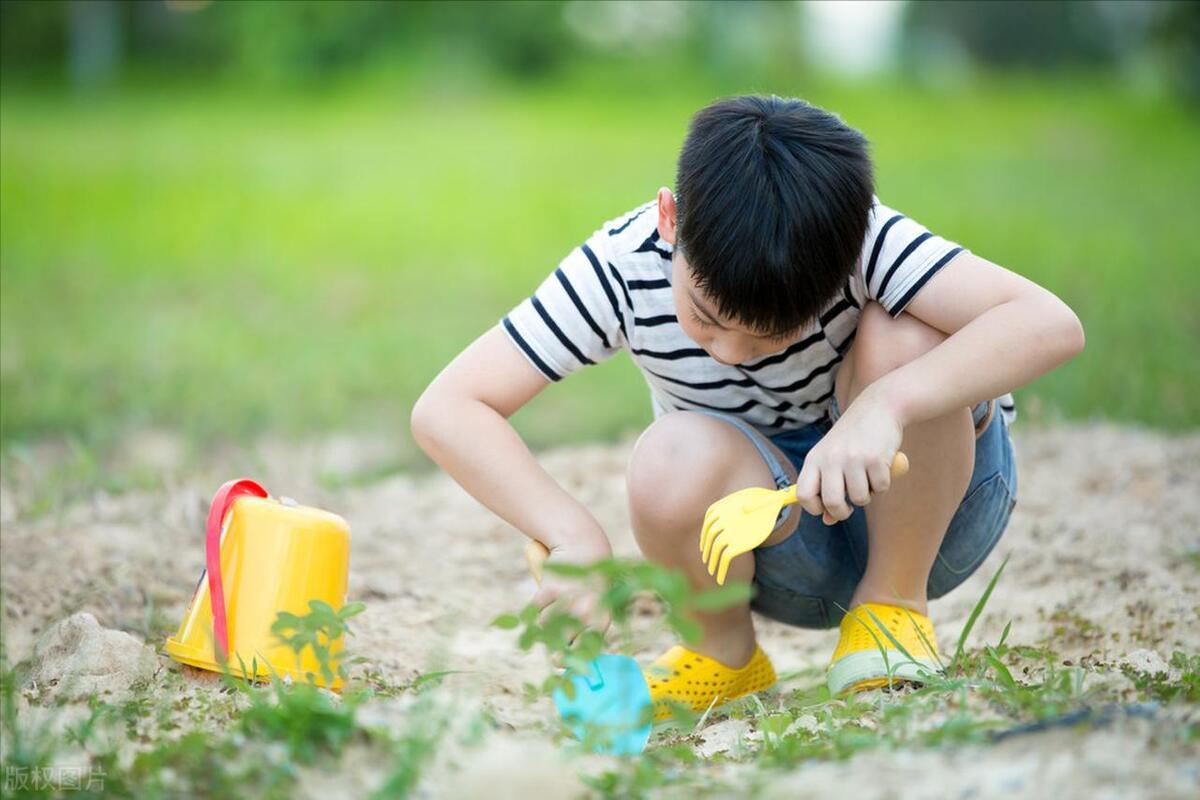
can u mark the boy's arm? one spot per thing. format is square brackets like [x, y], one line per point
[1003, 331]
[461, 421]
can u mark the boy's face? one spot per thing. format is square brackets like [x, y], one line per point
[727, 341]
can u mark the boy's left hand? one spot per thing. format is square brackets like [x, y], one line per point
[852, 460]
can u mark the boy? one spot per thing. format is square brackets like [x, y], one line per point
[791, 328]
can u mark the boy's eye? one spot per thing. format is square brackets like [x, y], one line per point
[696, 319]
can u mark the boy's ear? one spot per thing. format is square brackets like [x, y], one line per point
[666, 216]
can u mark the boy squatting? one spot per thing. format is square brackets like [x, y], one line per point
[791, 328]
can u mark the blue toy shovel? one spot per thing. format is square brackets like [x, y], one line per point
[610, 706]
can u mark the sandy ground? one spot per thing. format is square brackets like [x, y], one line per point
[1103, 548]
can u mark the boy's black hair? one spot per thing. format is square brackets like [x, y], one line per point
[772, 199]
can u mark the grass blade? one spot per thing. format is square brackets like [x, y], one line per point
[891, 637]
[878, 642]
[1002, 673]
[975, 612]
[930, 648]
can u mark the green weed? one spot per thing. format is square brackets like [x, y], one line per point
[244, 740]
[249, 740]
[976, 610]
[1161, 686]
[570, 643]
[315, 631]
[983, 693]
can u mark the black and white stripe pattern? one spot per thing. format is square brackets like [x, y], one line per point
[614, 293]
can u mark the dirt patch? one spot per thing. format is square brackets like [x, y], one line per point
[1103, 550]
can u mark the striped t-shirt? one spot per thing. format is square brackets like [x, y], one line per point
[613, 293]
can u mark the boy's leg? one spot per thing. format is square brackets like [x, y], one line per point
[906, 524]
[683, 463]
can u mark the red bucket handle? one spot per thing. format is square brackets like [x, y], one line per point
[222, 500]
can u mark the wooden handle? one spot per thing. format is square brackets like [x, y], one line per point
[536, 554]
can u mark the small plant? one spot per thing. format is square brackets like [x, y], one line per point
[316, 631]
[1160, 686]
[304, 718]
[275, 728]
[308, 720]
[569, 641]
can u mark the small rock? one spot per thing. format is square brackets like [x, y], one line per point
[77, 659]
[726, 736]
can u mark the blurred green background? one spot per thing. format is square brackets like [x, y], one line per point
[227, 220]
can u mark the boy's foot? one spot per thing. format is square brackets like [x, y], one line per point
[867, 658]
[699, 682]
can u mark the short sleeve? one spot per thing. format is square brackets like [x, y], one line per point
[899, 257]
[573, 319]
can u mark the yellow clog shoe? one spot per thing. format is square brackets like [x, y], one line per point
[866, 658]
[699, 682]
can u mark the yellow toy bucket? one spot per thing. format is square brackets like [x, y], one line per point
[264, 556]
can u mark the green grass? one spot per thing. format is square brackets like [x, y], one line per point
[982, 696]
[221, 264]
[170, 739]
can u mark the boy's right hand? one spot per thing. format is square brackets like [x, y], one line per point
[580, 601]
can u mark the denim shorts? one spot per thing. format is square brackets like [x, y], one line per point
[807, 579]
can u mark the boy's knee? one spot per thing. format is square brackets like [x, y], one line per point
[883, 343]
[667, 480]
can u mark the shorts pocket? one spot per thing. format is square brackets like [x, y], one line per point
[791, 608]
[973, 532]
